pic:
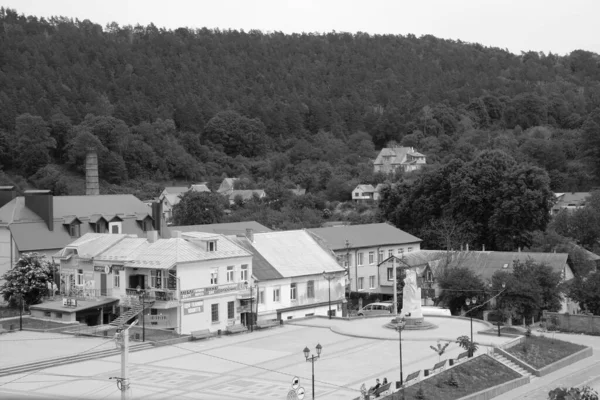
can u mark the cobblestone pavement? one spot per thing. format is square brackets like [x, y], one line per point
[258, 365]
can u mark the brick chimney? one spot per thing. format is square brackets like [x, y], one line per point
[41, 202]
[92, 185]
[7, 194]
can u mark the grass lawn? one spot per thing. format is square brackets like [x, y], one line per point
[471, 376]
[32, 323]
[540, 351]
[505, 329]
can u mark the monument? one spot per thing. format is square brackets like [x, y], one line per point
[411, 299]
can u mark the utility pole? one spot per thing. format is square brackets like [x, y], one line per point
[395, 288]
[123, 380]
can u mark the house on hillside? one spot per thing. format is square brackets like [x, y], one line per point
[298, 191]
[360, 248]
[569, 201]
[43, 223]
[227, 186]
[193, 281]
[289, 271]
[246, 195]
[391, 159]
[363, 193]
[171, 195]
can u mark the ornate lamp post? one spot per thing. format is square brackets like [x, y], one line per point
[142, 294]
[469, 302]
[313, 358]
[329, 278]
[399, 327]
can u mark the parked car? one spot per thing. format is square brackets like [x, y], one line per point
[375, 309]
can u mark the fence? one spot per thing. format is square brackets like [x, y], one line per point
[579, 323]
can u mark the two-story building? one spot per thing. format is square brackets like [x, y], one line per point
[192, 281]
[43, 223]
[295, 276]
[391, 159]
[360, 248]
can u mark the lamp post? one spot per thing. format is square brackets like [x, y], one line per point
[251, 308]
[399, 327]
[142, 293]
[312, 359]
[469, 302]
[329, 278]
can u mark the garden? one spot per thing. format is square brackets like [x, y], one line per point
[541, 351]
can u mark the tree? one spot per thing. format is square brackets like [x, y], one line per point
[584, 290]
[574, 393]
[33, 143]
[196, 208]
[236, 134]
[30, 278]
[458, 284]
[465, 342]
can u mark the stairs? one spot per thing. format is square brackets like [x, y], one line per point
[514, 367]
[136, 308]
[55, 362]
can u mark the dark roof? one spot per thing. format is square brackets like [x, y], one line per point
[367, 235]
[32, 236]
[261, 268]
[230, 228]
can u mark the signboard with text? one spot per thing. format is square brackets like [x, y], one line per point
[68, 302]
[207, 291]
[193, 307]
[105, 269]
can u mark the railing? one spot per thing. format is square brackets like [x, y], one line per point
[154, 294]
[85, 293]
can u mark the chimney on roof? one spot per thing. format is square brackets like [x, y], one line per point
[92, 185]
[158, 217]
[467, 246]
[7, 194]
[41, 202]
[250, 234]
[519, 249]
[483, 248]
[152, 236]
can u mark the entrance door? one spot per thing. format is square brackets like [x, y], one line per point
[102, 284]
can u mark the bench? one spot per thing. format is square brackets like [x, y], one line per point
[267, 323]
[236, 329]
[383, 390]
[201, 334]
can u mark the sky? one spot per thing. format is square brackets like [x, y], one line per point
[557, 26]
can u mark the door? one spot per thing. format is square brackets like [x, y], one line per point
[102, 284]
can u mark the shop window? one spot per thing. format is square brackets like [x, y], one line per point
[214, 313]
[231, 309]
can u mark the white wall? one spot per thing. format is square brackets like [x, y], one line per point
[5, 256]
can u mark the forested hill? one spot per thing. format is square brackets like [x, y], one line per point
[307, 109]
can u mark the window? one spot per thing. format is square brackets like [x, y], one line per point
[158, 279]
[58, 315]
[276, 295]
[80, 277]
[359, 260]
[261, 297]
[505, 266]
[47, 314]
[117, 280]
[390, 274]
[100, 226]
[390, 253]
[147, 225]
[214, 313]
[400, 251]
[211, 245]
[371, 257]
[115, 227]
[380, 257]
[244, 273]
[74, 230]
[231, 310]
[230, 273]
[310, 289]
[293, 288]
[214, 277]
[429, 276]
[410, 249]
[372, 282]
[361, 283]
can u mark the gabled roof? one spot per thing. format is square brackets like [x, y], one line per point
[172, 199]
[126, 249]
[230, 228]
[575, 198]
[92, 244]
[262, 270]
[200, 187]
[294, 253]
[175, 189]
[298, 191]
[227, 185]
[366, 235]
[397, 154]
[365, 188]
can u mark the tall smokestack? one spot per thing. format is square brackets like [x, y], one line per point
[92, 186]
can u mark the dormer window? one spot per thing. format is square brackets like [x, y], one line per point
[100, 226]
[211, 245]
[74, 230]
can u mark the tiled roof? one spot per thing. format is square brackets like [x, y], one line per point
[294, 253]
[367, 235]
[124, 250]
[230, 228]
[575, 198]
[199, 188]
[92, 244]
[365, 188]
[173, 199]
[176, 189]
[262, 270]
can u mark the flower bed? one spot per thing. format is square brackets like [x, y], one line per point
[540, 351]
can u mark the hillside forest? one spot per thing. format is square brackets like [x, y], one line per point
[171, 107]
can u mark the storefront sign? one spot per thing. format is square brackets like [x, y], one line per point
[193, 293]
[193, 307]
[105, 269]
[117, 268]
[67, 271]
[69, 302]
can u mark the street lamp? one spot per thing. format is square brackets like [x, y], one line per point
[313, 358]
[400, 325]
[142, 294]
[329, 278]
[469, 302]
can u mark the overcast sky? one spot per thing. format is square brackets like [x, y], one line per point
[558, 26]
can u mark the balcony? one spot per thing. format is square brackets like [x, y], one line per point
[154, 294]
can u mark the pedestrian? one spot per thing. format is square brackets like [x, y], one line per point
[377, 384]
[384, 381]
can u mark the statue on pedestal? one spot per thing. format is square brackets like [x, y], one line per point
[411, 296]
